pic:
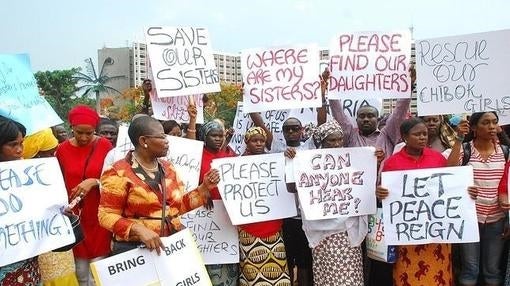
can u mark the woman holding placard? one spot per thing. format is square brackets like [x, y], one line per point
[487, 156]
[212, 134]
[335, 243]
[81, 161]
[142, 198]
[263, 258]
[426, 264]
[57, 268]
[25, 272]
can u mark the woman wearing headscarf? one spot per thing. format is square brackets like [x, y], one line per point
[434, 256]
[212, 134]
[41, 144]
[25, 272]
[335, 243]
[263, 260]
[142, 198]
[57, 268]
[81, 161]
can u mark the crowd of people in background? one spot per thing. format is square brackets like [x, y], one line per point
[120, 200]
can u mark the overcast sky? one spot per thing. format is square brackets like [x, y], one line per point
[60, 34]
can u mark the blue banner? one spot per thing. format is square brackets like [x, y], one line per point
[19, 95]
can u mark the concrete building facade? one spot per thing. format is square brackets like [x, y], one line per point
[116, 62]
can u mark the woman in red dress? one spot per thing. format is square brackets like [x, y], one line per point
[212, 134]
[81, 161]
[426, 264]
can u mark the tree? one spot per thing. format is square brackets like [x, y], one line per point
[129, 106]
[92, 82]
[59, 89]
[223, 104]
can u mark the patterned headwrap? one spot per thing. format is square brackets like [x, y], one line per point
[447, 134]
[41, 141]
[207, 127]
[83, 115]
[254, 131]
[324, 130]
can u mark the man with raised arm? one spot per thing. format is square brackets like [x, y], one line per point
[366, 132]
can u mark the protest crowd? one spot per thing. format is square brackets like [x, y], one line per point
[301, 203]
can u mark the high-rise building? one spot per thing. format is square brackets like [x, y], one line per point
[140, 63]
[116, 62]
[229, 67]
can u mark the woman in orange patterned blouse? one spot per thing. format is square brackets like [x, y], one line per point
[133, 189]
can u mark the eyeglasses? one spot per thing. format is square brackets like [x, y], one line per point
[161, 136]
[293, 128]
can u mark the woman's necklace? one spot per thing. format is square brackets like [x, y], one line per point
[153, 169]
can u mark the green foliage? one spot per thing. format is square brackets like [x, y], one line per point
[59, 89]
[223, 104]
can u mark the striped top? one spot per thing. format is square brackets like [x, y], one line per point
[487, 174]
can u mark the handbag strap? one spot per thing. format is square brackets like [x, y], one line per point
[163, 203]
[88, 159]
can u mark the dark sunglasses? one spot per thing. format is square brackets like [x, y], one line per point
[293, 128]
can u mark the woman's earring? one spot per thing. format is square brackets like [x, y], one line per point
[145, 146]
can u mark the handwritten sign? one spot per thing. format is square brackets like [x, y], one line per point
[181, 60]
[186, 156]
[280, 78]
[253, 188]
[350, 105]
[124, 144]
[370, 64]
[20, 97]
[463, 74]
[429, 206]
[377, 248]
[273, 119]
[31, 195]
[176, 108]
[216, 237]
[179, 264]
[336, 182]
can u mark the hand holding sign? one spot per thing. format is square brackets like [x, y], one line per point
[149, 238]
[381, 193]
[473, 192]
[212, 179]
[192, 108]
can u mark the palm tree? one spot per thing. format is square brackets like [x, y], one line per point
[97, 83]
